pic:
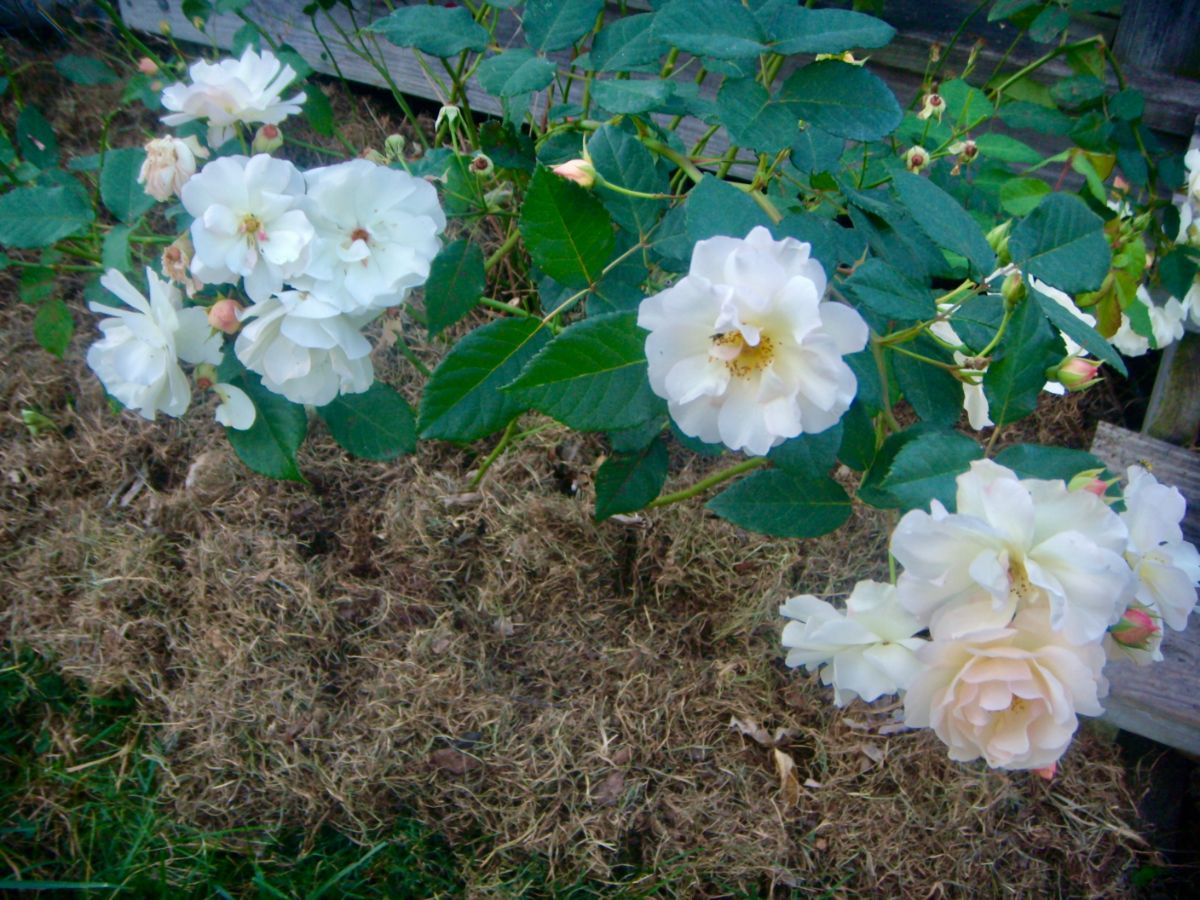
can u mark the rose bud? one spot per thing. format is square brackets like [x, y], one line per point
[482, 166]
[205, 375]
[267, 139]
[147, 66]
[1076, 373]
[223, 315]
[580, 171]
[1135, 629]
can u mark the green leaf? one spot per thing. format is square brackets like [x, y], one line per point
[755, 120]
[119, 188]
[39, 216]
[269, 445]
[85, 70]
[1020, 196]
[1077, 91]
[557, 24]
[623, 160]
[781, 504]
[933, 393]
[515, 72]
[1048, 463]
[721, 28]
[1128, 105]
[566, 230]
[35, 138]
[945, 222]
[1062, 242]
[1006, 149]
[318, 111]
[630, 97]
[456, 282]
[808, 455]
[1047, 120]
[965, 104]
[246, 37]
[716, 207]
[627, 44]
[795, 29]
[462, 399]
[626, 482]
[437, 30]
[37, 284]
[507, 147]
[1014, 380]
[814, 150]
[844, 100]
[53, 327]
[620, 290]
[1003, 9]
[1079, 331]
[857, 449]
[376, 424]
[918, 465]
[1049, 23]
[889, 293]
[592, 376]
[114, 252]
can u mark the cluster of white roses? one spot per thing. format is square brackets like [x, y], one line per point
[319, 253]
[1189, 228]
[1024, 591]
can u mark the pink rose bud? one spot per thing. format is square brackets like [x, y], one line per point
[1135, 628]
[223, 315]
[1076, 373]
[579, 171]
[267, 139]
[147, 66]
[1047, 772]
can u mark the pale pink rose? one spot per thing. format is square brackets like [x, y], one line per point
[223, 315]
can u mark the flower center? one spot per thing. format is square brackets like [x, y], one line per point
[742, 359]
[252, 228]
[1019, 584]
[360, 234]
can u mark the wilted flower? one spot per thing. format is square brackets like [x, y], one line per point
[137, 360]
[377, 232]
[580, 171]
[176, 259]
[866, 652]
[745, 350]
[915, 159]
[248, 222]
[305, 349]
[482, 166]
[233, 90]
[932, 107]
[169, 163]
[235, 409]
[1010, 695]
[1013, 544]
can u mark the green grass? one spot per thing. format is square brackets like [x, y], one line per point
[80, 816]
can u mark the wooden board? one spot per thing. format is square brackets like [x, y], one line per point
[1159, 701]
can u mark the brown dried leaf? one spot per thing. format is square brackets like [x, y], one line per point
[789, 786]
[751, 729]
[610, 789]
[453, 761]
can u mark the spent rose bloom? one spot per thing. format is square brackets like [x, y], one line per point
[1011, 695]
[176, 264]
[248, 222]
[169, 163]
[1167, 567]
[1013, 543]
[305, 349]
[234, 90]
[137, 360]
[743, 347]
[866, 652]
[377, 232]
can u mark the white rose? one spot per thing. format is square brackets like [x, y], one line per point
[305, 349]
[377, 232]
[235, 410]
[170, 162]
[137, 360]
[1166, 324]
[866, 652]
[233, 90]
[248, 222]
[1191, 161]
[1013, 544]
[744, 349]
[1010, 695]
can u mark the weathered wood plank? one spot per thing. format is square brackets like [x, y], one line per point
[1163, 35]
[1160, 701]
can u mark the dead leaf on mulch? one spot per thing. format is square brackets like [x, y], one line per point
[453, 761]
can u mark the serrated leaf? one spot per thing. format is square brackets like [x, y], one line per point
[557, 24]
[631, 97]
[795, 29]
[35, 138]
[753, 118]
[945, 222]
[566, 229]
[269, 445]
[37, 284]
[721, 28]
[842, 99]
[318, 111]
[620, 290]
[1079, 331]
[1049, 24]
[119, 188]
[437, 30]
[515, 72]
[716, 207]
[814, 150]
[376, 424]
[456, 282]
[627, 44]
[933, 393]
[592, 376]
[1062, 242]
[1014, 380]
[887, 292]
[808, 455]
[114, 251]
[86, 70]
[1006, 149]
[781, 504]
[623, 160]
[1049, 463]
[857, 449]
[462, 399]
[1020, 196]
[626, 482]
[917, 465]
[39, 216]
[53, 327]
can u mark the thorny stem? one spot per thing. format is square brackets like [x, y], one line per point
[713, 480]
